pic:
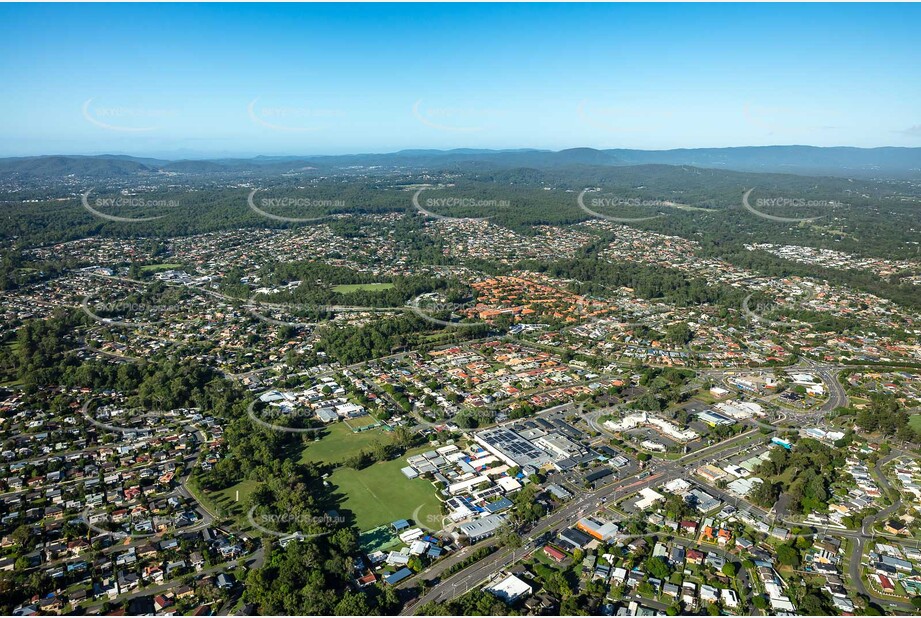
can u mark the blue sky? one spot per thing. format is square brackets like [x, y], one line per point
[205, 80]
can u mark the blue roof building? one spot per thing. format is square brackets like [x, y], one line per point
[395, 578]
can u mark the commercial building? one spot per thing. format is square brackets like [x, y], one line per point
[603, 531]
[509, 589]
[714, 419]
[512, 448]
[479, 529]
[576, 539]
[648, 497]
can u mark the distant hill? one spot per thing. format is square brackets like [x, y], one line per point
[58, 166]
[803, 160]
[834, 161]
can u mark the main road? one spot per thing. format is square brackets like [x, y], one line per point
[659, 471]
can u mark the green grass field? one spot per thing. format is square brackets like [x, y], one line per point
[377, 495]
[224, 502]
[914, 421]
[361, 287]
[340, 443]
[229, 495]
[13, 349]
[153, 268]
[381, 494]
[361, 421]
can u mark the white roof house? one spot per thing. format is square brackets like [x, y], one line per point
[648, 497]
[729, 597]
[510, 589]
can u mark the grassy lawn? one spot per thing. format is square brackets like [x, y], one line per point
[340, 443]
[376, 495]
[915, 422]
[786, 476]
[153, 268]
[224, 502]
[361, 287]
[230, 494]
[361, 421]
[704, 396]
[381, 494]
[13, 349]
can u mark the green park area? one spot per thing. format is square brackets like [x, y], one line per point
[339, 442]
[154, 268]
[376, 495]
[224, 503]
[380, 494]
[361, 287]
[915, 422]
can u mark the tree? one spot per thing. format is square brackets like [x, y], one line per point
[679, 334]
[21, 535]
[730, 569]
[402, 437]
[508, 537]
[380, 451]
[526, 509]
[353, 604]
[658, 568]
[788, 555]
[765, 494]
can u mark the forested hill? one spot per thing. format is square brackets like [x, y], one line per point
[887, 162]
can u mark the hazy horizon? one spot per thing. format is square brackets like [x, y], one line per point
[181, 154]
[281, 80]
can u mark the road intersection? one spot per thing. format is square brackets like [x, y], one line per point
[661, 471]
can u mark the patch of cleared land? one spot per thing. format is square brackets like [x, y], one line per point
[152, 268]
[339, 443]
[914, 421]
[361, 287]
